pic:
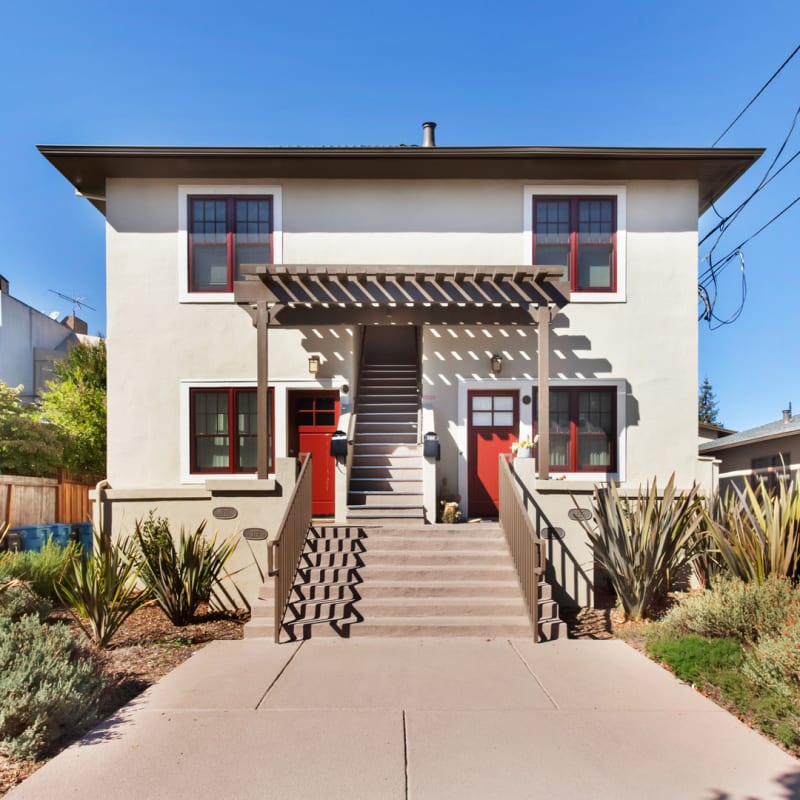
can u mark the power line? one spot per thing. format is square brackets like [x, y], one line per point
[757, 95]
[741, 206]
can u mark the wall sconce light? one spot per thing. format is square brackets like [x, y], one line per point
[313, 365]
[497, 364]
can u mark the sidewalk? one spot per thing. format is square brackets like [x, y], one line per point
[419, 718]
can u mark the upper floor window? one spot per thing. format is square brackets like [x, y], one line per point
[224, 233]
[579, 234]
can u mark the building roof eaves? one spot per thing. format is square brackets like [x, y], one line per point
[88, 167]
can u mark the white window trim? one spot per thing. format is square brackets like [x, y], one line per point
[184, 192]
[572, 190]
[526, 424]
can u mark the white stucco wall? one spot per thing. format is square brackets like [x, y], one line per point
[648, 342]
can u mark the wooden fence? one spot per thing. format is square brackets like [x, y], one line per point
[39, 501]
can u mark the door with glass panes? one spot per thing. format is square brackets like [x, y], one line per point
[313, 417]
[492, 425]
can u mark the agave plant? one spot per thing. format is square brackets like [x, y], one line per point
[102, 591]
[643, 542]
[182, 577]
[757, 530]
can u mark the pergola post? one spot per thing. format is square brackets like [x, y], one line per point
[542, 316]
[262, 419]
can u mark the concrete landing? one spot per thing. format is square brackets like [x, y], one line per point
[419, 718]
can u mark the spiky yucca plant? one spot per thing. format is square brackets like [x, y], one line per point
[642, 542]
[182, 577]
[757, 531]
[102, 591]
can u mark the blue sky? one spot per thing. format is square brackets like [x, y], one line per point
[312, 73]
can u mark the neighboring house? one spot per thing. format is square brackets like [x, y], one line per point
[262, 299]
[767, 451]
[30, 341]
[710, 432]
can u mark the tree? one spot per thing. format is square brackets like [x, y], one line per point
[75, 402]
[707, 404]
[28, 446]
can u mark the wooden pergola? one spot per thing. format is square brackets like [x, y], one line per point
[296, 295]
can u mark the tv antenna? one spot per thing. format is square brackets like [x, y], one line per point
[77, 302]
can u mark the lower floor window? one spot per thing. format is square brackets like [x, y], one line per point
[225, 431]
[583, 429]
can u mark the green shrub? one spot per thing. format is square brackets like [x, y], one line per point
[694, 659]
[643, 542]
[41, 569]
[734, 609]
[757, 531]
[17, 600]
[101, 591]
[774, 662]
[49, 687]
[182, 577]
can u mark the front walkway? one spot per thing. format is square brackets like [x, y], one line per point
[419, 718]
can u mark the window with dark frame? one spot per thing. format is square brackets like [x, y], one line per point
[580, 234]
[224, 233]
[769, 469]
[224, 431]
[583, 429]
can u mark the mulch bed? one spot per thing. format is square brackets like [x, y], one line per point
[146, 648]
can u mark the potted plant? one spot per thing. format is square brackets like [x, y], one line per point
[524, 447]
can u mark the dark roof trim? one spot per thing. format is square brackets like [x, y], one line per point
[88, 167]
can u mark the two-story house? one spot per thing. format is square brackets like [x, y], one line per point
[437, 300]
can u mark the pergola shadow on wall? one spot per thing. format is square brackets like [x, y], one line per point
[298, 295]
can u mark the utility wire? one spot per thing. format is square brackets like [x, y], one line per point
[722, 262]
[757, 95]
[738, 208]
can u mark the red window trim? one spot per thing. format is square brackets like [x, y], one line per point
[574, 400]
[573, 237]
[230, 235]
[233, 437]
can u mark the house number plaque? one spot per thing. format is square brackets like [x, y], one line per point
[225, 512]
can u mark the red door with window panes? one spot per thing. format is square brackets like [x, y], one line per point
[313, 417]
[492, 425]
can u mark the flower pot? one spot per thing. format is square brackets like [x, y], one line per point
[525, 452]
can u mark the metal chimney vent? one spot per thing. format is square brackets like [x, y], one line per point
[428, 135]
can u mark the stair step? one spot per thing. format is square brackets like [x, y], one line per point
[423, 559]
[379, 608]
[484, 627]
[385, 499]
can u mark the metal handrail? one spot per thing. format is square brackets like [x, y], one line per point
[284, 551]
[528, 551]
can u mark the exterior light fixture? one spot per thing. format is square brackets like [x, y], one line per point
[497, 364]
[313, 365]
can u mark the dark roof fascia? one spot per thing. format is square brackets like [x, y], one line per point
[88, 167]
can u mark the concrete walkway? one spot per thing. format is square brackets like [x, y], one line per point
[419, 718]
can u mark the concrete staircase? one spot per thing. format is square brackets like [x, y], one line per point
[386, 469]
[398, 581]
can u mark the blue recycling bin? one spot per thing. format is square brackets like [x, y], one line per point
[33, 536]
[83, 533]
[60, 533]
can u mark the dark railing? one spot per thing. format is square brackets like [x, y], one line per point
[527, 550]
[285, 550]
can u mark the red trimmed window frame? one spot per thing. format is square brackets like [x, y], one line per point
[230, 233]
[574, 393]
[233, 434]
[574, 245]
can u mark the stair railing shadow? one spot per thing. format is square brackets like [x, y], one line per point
[562, 571]
[335, 605]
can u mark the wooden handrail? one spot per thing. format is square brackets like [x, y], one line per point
[286, 548]
[528, 551]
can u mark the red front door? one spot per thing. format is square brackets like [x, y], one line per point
[313, 417]
[492, 425]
